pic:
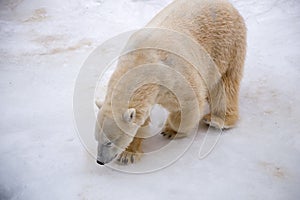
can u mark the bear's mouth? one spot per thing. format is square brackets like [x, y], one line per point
[105, 154]
[100, 163]
[103, 163]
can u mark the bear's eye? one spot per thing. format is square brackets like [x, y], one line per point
[108, 144]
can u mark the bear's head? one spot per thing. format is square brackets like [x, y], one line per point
[114, 132]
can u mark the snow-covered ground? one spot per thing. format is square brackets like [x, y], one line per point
[43, 45]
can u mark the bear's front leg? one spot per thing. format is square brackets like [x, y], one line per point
[168, 132]
[172, 125]
[132, 153]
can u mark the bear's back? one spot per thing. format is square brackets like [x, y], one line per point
[215, 24]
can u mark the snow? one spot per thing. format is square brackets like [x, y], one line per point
[43, 45]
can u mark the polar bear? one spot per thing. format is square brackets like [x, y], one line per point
[217, 27]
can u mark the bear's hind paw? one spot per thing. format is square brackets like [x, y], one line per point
[218, 123]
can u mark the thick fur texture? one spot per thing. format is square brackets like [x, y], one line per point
[218, 27]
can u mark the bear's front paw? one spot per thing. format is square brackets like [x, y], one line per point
[207, 119]
[127, 157]
[170, 134]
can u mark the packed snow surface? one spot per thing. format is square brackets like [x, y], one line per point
[43, 45]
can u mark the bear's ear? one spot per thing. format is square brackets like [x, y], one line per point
[129, 115]
[98, 103]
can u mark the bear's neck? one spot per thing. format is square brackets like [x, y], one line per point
[143, 99]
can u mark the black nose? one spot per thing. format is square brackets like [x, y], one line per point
[100, 163]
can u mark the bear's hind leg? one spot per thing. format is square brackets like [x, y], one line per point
[231, 84]
[231, 80]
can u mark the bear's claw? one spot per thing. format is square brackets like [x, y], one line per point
[128, 157]
[169, 134]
